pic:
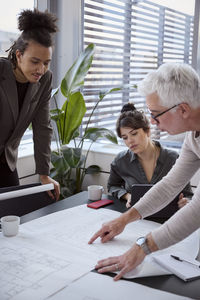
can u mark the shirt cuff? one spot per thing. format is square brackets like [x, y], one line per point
[121, 193]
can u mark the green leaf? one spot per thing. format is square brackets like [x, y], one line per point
[95, 133]
[76, 133]
[55, 91]
[53, 173]
[74, 78]
[55, 114]
[75, 110]
[67, 190]
[73, 156]
[93, 169]
[59, 163]
[103, 93]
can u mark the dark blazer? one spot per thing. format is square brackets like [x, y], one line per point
[35, 110]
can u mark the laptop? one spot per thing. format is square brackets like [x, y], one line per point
[138, 191]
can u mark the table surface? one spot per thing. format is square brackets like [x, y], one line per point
[168, 283]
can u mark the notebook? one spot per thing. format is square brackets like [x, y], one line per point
[182, 269]
[138, 191]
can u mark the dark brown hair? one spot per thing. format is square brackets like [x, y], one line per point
[133, 118]
[35, 26]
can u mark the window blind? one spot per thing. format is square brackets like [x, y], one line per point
[132, 38]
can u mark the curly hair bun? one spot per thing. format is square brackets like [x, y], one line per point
[128, 107]
[29, 20]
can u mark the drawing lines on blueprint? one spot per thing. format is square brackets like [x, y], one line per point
[25, 268]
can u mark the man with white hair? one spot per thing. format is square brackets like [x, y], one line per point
[173, 98]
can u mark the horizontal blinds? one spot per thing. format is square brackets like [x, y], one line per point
[131, 38]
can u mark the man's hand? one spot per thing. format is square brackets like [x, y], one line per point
[109, 230]
[45, 180]
[127, 261]
[123, 263]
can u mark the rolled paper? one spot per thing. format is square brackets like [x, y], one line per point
[27, 191]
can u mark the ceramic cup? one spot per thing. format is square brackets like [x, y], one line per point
[10, 225]
[95, 192]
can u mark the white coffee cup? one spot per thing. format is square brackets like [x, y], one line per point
[10, 225]
[95, 192]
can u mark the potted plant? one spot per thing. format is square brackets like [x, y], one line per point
[69, 163]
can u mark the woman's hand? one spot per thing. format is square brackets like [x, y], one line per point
[127, 197]
[128, 202]
[45, 180]
[182, 201]
[123, 263]
[109, 230]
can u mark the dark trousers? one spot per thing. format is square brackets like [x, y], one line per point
[7, 177]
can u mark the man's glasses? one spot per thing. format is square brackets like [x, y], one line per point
[160, 114]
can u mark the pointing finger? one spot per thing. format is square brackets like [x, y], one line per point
[95, 236]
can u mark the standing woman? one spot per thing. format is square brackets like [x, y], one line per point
[145, 161]
[25, 92]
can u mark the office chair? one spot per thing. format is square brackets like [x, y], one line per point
[25, 204]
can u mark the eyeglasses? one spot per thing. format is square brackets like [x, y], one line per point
[160, 114]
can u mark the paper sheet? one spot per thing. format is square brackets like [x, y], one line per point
[51, 252]
[27, 191]
[72, 229]
[28, 272]
[94, 286]
[182, 269]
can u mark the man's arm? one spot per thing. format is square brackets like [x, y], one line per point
[45, 179]
[111, 229]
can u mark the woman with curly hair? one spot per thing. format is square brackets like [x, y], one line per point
[25, 92]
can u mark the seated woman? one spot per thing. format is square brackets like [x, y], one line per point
[145, 161]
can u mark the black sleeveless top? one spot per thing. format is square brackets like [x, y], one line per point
[21, 91]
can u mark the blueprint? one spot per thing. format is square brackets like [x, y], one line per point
[52, 252]
[71, 229]
[111, 290]
[31, 273]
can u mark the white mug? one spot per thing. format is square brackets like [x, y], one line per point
[10, 225]
[95, 192]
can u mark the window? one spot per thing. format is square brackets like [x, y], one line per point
[8, 21]
[9, 33]
[132, 38]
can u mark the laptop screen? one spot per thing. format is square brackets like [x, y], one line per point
[138, 191]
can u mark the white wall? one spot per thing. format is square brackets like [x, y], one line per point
[102, 155]
[26, 165]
